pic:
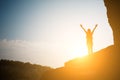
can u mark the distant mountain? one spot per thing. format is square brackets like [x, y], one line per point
[102, 65]
[16, 70]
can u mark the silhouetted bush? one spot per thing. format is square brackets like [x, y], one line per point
[16, 70]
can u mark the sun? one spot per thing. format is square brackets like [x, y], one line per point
[79, 51]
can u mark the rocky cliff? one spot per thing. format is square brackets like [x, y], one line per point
[103, 65]
[113, 13]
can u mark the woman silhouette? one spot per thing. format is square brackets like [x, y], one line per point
[89, 38]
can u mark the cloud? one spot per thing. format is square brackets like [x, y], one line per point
[44, 53]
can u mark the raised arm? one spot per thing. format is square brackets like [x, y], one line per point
[83, 28]
[94, 28]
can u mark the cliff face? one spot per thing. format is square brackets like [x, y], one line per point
[113, 13]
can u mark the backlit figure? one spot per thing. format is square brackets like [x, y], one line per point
[89, 38]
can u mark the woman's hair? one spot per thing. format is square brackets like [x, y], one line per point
[89, 30]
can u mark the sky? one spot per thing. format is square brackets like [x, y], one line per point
[48, 32]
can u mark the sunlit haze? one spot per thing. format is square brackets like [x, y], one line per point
[48, 32]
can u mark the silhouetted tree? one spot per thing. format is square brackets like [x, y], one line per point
[16, 70]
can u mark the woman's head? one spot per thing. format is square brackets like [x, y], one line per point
[89, 30]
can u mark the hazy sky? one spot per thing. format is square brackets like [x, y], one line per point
[47, 32]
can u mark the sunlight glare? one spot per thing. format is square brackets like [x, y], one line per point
[79, 51]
